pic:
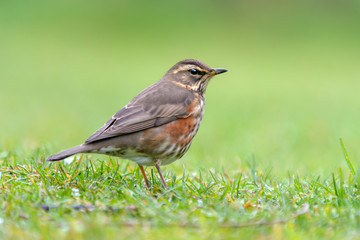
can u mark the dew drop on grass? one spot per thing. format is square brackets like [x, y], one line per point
[75, 192]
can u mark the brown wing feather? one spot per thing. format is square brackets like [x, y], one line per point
[148, 109]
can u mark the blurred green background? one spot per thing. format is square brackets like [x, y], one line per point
[291, 91]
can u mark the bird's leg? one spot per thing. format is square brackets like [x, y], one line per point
[144, 175]
[157, 165]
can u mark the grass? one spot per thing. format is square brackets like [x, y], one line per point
[91, 198]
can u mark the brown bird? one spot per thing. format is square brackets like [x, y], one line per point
[157, 126]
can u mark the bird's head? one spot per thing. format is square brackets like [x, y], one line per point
[192, 74]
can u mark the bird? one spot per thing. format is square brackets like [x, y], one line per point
[158, 125]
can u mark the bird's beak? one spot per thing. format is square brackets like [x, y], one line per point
[219, 70]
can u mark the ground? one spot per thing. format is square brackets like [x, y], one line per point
[86, 198]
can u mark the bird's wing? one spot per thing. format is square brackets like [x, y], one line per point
[148, 109]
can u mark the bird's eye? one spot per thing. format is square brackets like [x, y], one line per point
[194, 71]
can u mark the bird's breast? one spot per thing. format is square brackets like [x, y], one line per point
[171, 141]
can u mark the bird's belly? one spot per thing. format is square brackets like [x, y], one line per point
[138, 156]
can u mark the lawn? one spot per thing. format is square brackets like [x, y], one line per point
[267, 162]
[90, 199]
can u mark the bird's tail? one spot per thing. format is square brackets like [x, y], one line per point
[67, 153]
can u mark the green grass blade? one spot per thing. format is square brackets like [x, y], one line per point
[347, 157]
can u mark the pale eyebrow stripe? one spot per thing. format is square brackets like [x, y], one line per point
[187, 67]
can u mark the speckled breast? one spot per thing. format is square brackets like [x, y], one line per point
[170, 141]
